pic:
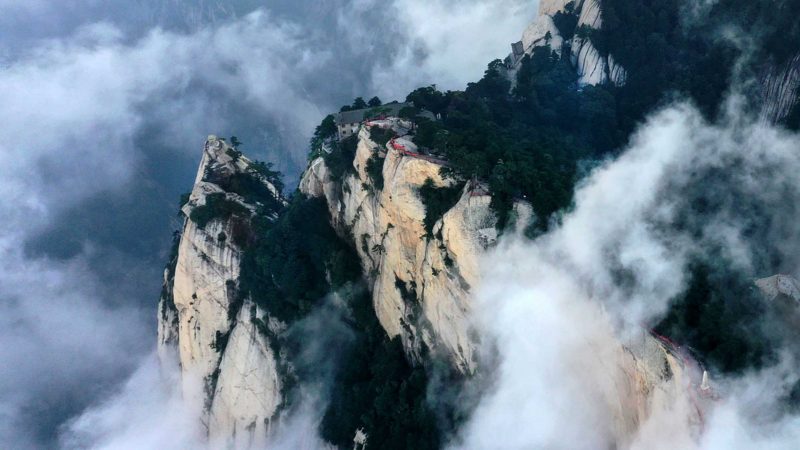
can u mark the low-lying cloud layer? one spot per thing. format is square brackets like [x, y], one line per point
[557, 309]
[148, 412]
[106, 106]
[105, 112]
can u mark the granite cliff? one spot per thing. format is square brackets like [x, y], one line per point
[224, 362]
[419, 266]
[586, 16]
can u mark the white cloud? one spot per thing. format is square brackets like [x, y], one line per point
[556, 309]
[152, 411]
[73, 117]
[147, 413]
[450, 42]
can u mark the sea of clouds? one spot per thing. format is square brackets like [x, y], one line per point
[106, 105]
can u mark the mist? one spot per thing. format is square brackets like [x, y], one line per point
[106, 108]
[107, 105]
[558, 311]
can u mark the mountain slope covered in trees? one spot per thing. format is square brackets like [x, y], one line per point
[529, 135]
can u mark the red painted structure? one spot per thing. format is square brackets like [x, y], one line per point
[400, 148]
[476, 189]
[693, 366]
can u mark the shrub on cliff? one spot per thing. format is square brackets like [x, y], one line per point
[288, 268]
[374, 170]
[217, 206]
[381, 136]
[437, 201]
[340, 160]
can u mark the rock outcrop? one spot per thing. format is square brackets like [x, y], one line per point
[780, 286]
[654, 377]
[779, 90]
[224, 361]
[616, 73]
[248, 390]
[540, 33]
[591, 66]
[421, 281]
[167, 311]
[779, 83]
[420, 284]
[782, 293]
[590, 13]
[550, 7]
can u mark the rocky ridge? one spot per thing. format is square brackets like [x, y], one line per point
[420, 284]
[650, 373]
[591, 66]
[224, 362]
[779, 90]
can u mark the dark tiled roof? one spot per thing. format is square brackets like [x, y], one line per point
[389, 109]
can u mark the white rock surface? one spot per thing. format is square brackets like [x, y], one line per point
[203, 300]
[653, 379]
[388, 230]
[590, 15]
[616, 73]
[779, 87]
[536, 35]
[248, 391]
[167, 323]
[592, 67]
[204, 293]
[168, 316]
[783, 297]
[589, 64]
[647, 375]
[446, 290]
[550, 7]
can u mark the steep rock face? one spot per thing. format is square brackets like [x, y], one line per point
[168, 313]
[779, 90]
[420, 284]
[421, 287]
[616, 73]
[654, 378]
[535, 35]
[203, 294]
[220, 356]
[550, 7]
[541, 32]
[591, 67]
[248, 391]
[590, 13]
[450, 269]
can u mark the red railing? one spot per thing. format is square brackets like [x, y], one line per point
[400, 148]
[689, 362]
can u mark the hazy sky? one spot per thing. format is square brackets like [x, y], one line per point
[105, 108]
